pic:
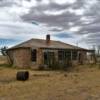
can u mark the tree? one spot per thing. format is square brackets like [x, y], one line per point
[4, 51]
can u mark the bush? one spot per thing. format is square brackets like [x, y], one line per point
[55, 66]
[5, 65]
[58, 66]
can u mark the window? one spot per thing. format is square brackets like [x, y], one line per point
[49, 57]
[68, 55]
[64, 54]
[33, 55]
[74, 55]
[60, 55]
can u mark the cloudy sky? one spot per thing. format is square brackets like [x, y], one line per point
[71, 21]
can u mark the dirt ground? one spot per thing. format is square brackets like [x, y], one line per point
[83, 83]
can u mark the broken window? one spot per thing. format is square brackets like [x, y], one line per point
[49, 57]
[74, 55]
[64, 54]
[60, 55]
[68, 55]
[33, 54]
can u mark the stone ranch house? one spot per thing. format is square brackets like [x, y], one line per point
[36, 52]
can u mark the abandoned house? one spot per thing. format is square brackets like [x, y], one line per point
[36, 52]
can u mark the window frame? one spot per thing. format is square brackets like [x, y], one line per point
[66, 54]
[33, 55]
[74, 55]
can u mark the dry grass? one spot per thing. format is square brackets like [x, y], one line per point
[3, 59]
[81, 84]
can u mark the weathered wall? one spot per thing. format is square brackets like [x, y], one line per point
[74, 62]
[39, 59]
[55, 53]
[83, 57]
[21, 57]
[10, 56]
[39, 56]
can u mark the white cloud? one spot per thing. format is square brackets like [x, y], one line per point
[46, 2]
[90, 3]
[74, 29]
[54, 12]
[17, 30]
[76, 11]
[27, 4]
[70, 23]
[65, 1]
[18, 10]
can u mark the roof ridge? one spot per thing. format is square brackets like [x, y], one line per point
[44, 39]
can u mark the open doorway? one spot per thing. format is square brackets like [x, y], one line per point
[49, 58]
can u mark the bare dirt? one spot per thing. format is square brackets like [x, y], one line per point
[83, 83]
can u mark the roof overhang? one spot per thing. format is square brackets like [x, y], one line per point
[18, 48]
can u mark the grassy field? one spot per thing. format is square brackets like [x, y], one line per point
[81, 83]
[3, 59]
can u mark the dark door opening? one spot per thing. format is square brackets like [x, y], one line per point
[49, 58]
[80, 58]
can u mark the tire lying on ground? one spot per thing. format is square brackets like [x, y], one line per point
[22, 75]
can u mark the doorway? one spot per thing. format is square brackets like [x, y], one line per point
[49, 58]
[80, 59]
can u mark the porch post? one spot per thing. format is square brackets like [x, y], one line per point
[78, 56]
[71, 56]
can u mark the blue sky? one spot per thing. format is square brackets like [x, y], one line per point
[70, 21]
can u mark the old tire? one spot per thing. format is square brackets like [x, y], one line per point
[22, 75]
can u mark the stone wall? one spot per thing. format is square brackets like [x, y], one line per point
[40, 56]
[21, 57]
[39, 59]
[10, 56]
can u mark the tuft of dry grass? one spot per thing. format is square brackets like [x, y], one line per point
[81, 84]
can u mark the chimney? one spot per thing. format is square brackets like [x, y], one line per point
[48, 39]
